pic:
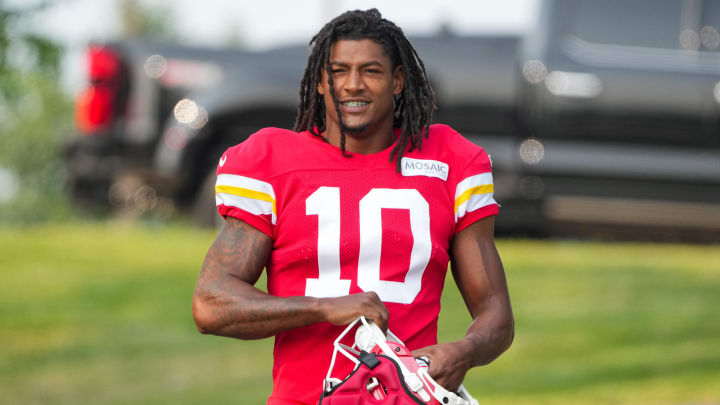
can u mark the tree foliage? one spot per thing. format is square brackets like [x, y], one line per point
[153, 23]
[35, 116]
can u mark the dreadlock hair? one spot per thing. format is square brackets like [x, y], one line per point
[413, 107]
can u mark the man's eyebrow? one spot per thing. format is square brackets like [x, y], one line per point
[366, 64]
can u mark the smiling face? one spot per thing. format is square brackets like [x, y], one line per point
[365, 84]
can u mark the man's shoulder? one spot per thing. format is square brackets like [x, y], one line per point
[272, 132]
[449, 137]
[446, 140]
[265, 137]
[442, 130]
[264, 142]
[254, 156]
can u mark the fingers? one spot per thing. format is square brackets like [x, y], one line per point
[343, 310]
[443, 368]
[376, 310]
[422, 353]
[428, 353]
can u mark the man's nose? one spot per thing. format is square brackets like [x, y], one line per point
[354, 81]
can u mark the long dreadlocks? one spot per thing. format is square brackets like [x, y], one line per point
[413, 107]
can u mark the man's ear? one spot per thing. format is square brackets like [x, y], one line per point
[321, 82]
[398, 79]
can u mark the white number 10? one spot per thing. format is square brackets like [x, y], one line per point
[325, 203]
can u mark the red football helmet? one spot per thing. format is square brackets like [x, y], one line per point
[385, 373]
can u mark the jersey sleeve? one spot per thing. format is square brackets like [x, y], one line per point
[474, 191]
[243, 189]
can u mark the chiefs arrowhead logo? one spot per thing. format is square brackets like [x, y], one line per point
[222, 160]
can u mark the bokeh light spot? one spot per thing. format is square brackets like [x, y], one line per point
[709, 37]
[175, 138]
[186, 111]
[155, 66]
[534, 71]
[689, 40]
[201, 119]
[531, 151]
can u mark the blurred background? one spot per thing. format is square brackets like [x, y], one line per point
[602, 120]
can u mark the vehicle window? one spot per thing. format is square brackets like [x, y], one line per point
[655, 24]
[710, 30]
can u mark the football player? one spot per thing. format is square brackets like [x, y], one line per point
[355, 212]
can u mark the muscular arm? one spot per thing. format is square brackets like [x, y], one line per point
[226, 303]
[479, 274]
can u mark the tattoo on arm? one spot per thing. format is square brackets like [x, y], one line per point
[227, 304]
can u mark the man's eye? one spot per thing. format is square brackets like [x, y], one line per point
[373, 71]
[334, 71]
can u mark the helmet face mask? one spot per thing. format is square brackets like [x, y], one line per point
[385, 372]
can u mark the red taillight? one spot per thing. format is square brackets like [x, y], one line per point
[95, 107]
[103, 64]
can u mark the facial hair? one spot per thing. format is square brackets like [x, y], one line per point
[354, 130]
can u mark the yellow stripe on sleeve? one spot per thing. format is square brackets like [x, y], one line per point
[244, 192]
[482, 189]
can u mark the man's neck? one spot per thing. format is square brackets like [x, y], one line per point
[373, 141]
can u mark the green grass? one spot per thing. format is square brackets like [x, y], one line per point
[101, 314]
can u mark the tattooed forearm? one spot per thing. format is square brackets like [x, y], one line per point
[225, 301]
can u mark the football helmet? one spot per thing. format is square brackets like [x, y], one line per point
[385, 373]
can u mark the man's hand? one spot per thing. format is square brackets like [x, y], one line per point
[343, 310]
[480, 277]
[227, 304]
[449, 362]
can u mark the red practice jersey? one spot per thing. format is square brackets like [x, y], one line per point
[345, 225]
